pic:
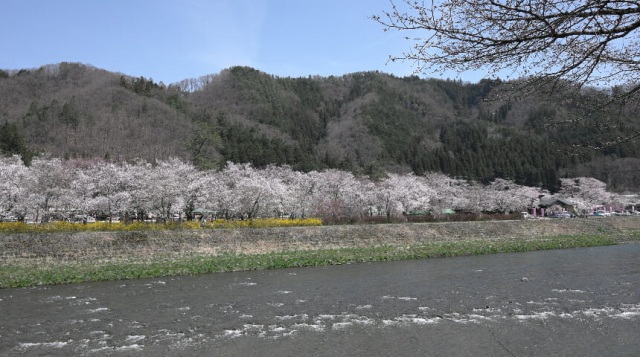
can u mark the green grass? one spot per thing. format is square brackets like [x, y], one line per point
[50, 271]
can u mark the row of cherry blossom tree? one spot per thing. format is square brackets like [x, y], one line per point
[172, 187]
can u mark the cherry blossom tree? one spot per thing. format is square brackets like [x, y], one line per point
[302, 191]
[287, 190]
[339, 194]
[506, 196]
[403, 194]
[256, 193]
[503, 196]
[447, 192]
[585, 192]
[171, 187]
[15, 179]
[107, 187]
[141, 173]
[216, 193]
[50, 190]
[167, 181]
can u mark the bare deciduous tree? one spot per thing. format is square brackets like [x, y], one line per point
[554, 45]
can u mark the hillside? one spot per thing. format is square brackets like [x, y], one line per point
[367, 122]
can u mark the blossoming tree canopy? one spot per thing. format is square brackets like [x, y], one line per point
[51, 187]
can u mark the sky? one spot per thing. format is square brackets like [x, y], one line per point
[172, 40]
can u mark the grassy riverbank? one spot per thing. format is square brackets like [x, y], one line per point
[51, 271]
[59, 258]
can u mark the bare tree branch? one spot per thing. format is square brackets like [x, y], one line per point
[545, 44]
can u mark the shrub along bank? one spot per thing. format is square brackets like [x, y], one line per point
[28, 259]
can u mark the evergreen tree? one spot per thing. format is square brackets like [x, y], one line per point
[12, 142]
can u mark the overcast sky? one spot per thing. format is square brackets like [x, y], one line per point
[171, 40]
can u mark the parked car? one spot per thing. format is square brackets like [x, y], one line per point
[81, 218]
[526, 215]
[622, 213]
[563, 214]
[8, 218]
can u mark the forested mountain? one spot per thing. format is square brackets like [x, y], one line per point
[368, 123]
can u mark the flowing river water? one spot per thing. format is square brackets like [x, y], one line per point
[578, 302]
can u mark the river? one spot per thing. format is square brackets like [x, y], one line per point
[578, 302]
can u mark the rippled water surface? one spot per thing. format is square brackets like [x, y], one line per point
[571, 302]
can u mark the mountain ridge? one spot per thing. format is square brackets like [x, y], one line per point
[365, 122]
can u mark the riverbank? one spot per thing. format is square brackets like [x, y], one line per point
[55, 258]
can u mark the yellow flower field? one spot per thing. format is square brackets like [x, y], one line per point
[19, 227]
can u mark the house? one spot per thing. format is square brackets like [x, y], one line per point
[552, 203]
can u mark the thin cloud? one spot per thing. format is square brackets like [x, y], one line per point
[226, 33]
